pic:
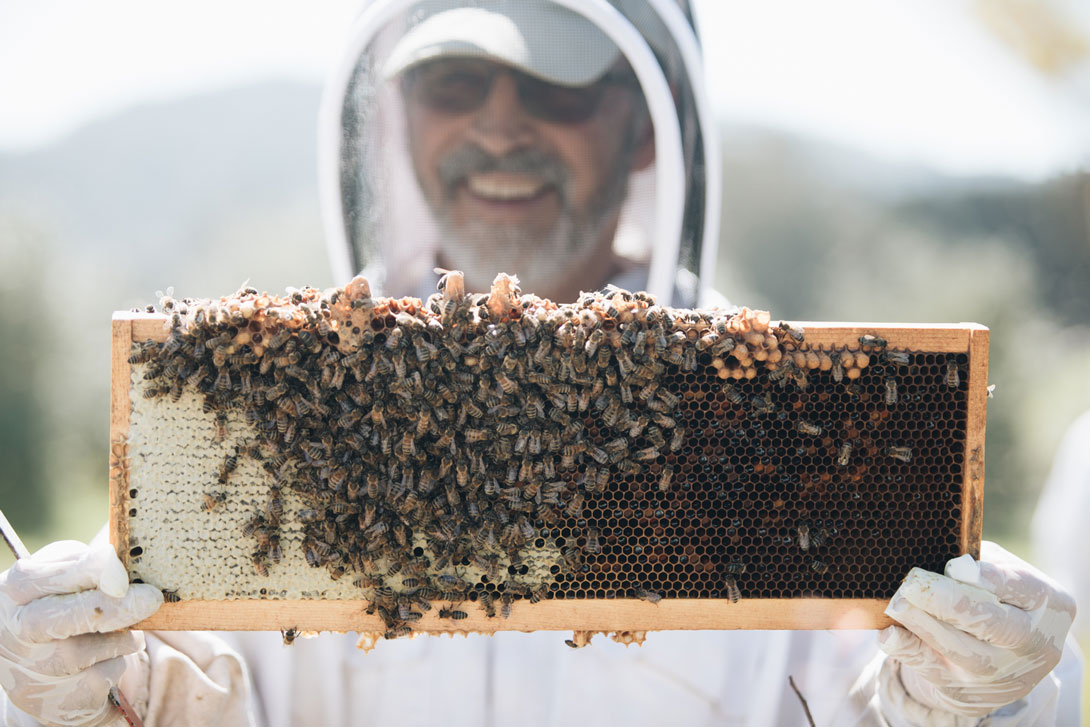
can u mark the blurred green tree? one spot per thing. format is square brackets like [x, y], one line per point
[25, 341]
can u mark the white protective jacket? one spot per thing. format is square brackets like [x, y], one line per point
[1060, 519]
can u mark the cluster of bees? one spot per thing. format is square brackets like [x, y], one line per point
[436, 445]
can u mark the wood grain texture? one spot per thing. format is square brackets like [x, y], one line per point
[972, 521]
[147, 326]
[120, 372]
[549, 615]
[935, 337]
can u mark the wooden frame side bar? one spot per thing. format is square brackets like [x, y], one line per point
[120, 409]
[972, 517]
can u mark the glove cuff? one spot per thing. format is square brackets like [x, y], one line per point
[135, 682]
[904, 700]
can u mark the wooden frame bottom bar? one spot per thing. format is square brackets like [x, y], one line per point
[551, 615]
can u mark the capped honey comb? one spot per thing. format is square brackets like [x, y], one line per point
[333, 461]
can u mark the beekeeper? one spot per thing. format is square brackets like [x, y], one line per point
[554, 140]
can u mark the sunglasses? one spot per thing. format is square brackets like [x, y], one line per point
[461, 86]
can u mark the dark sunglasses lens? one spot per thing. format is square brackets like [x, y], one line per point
[450, 87]
[559, 104]
[461, 86]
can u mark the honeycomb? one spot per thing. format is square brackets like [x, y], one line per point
[477, 452]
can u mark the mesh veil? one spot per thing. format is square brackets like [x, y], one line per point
[379, 221]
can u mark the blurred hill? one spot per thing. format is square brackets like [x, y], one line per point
[157, 191]
[206, 192]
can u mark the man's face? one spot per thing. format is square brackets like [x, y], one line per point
[525, 177]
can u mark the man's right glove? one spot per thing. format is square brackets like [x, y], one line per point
[60, 647]
[973, 640]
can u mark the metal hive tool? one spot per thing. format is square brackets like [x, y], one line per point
[730, 473]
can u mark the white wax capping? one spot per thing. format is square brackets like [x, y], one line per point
[964, 569]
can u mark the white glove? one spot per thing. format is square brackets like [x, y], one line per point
[976, 639]
[60, 647]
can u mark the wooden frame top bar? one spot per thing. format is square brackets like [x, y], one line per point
[936, 337]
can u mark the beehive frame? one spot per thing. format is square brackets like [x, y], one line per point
[584, 614]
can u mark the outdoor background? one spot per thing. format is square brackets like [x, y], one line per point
[883, 161]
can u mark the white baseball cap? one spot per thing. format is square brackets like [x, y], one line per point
[539, 38]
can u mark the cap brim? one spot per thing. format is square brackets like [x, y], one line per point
[541, 39]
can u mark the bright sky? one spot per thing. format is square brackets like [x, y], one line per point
[917, 81]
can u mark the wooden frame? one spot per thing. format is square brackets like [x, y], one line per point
[575, 615]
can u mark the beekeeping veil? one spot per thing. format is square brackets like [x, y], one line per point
[380, 221]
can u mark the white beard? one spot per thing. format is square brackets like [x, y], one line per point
[482, 250]
[540, 260]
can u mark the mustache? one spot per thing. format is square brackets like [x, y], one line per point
[472, 159]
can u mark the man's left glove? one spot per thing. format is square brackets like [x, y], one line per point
[61, 644]
[974, 640]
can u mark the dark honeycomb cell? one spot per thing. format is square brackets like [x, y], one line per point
[746, 483]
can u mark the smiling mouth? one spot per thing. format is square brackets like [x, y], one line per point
[504, 187]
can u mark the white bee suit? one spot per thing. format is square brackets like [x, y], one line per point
[1060, 520]
[689, 678]
[535, 680]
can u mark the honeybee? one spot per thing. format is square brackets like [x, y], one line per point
[734, 593]
[897, 358]
[845, 454]
[274, 508]
[821, 536]
[838, 367]
[487, 601]
[221, 426]
[171, 596]
[645, 594]
[575, 506]
[806, 427]
[952, 379]
[870, 342]
[666, 478]
[452, 614]
[289, 636]
[804, 536]
[795, 334]
[902, 454]
[593, 545]
[275, 552]
[733, 394]
[230, 463]
[372, 485]
[211, 501]
[141, 354]
[762, 404]
[891, 391]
